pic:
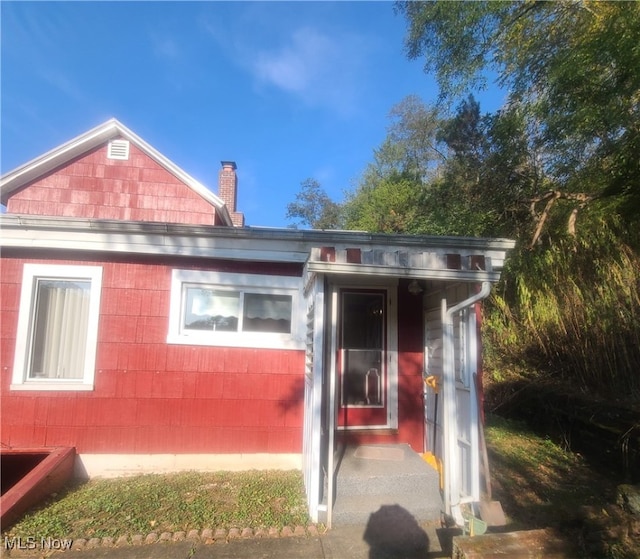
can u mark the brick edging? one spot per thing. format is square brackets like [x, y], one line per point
[206, 536]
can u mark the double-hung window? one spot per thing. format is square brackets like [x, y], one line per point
[57, 327]
[241, 310]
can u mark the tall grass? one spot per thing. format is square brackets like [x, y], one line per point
[571, 312]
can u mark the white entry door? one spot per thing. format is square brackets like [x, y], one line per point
[460, 409]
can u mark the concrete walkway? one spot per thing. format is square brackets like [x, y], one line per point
[374, 541]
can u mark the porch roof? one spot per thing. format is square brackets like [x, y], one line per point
[445, 263]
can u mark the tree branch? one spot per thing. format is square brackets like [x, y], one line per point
[551, 197]
[543, 217]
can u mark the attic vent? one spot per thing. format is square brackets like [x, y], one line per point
[118, 149]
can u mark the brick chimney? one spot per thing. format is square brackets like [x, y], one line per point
[228, 191]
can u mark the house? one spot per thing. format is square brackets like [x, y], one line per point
[145, 325]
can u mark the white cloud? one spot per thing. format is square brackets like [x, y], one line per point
[35, 44]
[174, 66]
[322, 70]
[306, 60]
[301, 52]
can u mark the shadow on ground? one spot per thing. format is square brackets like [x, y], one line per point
[393, 532]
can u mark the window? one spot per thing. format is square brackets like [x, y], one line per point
[57, 327]
[266, 313]
[210, 309]
[243, 310]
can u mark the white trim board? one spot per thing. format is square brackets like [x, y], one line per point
[31, 273]
[236, 282]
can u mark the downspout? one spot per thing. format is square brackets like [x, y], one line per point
[451, 465]
[332, 411]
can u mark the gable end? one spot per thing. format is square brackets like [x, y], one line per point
[121, 146]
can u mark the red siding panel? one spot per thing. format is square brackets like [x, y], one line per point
[62, 416]
[126, 384]
[153, 397]
[208, 385]
[212, 360]
[20, 436]
[189, 383]
[151, 330]
[150, 396]
[106, 383]
[107, 355]
[144, 382]
[410, 367]
[96, 187]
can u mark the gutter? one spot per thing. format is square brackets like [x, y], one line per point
[310, 236]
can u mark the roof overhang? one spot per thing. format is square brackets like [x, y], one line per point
[319, 252]
[84, 143]
[462, 261]
[475, 276]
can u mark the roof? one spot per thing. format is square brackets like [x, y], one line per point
[32, 170]
[411, 256]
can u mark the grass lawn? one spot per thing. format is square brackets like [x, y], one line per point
[169, 503]
[540, 485]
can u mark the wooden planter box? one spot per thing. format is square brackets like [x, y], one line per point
[29, 475]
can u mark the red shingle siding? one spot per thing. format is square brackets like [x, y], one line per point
[410, 367]
[94, 186]
[151, 397]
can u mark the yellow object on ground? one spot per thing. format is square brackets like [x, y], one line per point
[435, 463]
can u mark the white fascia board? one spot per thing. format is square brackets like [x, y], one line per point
[267, 244]
[307, 238]
[154, 244]
[396, 271]
[57, 156]
[85, 142]
[353, 239]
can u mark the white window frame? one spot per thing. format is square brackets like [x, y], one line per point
[32, 273]
[248, 283]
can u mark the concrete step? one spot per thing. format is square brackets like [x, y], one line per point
[370, 477]
[358, 510]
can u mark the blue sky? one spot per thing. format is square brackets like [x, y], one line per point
[288, 90]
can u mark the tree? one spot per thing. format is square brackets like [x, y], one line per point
[572, 70]
[435, 174]
[463, 193]
[390, 196]
[412, 146]
[557, 167]
[314, 208]
[391, 204]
